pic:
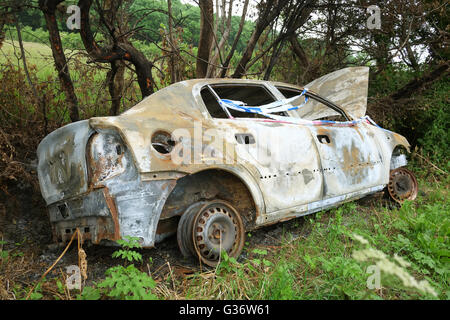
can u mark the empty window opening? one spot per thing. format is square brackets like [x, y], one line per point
[249, 95]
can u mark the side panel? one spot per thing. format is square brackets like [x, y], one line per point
[388, 141]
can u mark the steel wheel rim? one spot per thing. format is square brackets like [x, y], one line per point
[402, 185]
[217, 227]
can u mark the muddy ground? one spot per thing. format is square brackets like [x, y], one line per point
[25, 228]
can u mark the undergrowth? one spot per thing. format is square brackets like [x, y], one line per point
[123, 282]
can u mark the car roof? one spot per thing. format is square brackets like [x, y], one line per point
[184, 96]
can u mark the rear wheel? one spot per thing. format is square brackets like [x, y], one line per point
[207, 229]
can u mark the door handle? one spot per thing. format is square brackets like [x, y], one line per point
[322, 138]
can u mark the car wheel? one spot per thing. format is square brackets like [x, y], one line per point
[209, 229]
[402, 185]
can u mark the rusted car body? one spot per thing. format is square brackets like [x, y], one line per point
[187, 160]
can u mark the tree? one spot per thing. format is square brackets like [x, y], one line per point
[269, 11]
[206, 37]
[235, 41]
[48, 7]
[119, 47]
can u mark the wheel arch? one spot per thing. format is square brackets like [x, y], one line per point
[230, 184]
[398, 156]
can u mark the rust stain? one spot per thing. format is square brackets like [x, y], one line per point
[112, 208]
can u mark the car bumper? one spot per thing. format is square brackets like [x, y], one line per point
[112, 213]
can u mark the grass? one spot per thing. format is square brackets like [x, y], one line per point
[89, 79]
[39, 55]
[321, 263]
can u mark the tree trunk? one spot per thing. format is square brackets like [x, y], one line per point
[115, 84]
[49, 8]
[172, 66]
[206, 37]
[417, 84]
[212, 67]
[223, 73]
[39, 100]
[241, 67]
[295, 14]
[273, 60]
[299, 52]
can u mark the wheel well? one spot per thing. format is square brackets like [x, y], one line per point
[208, 185]
[398, 157]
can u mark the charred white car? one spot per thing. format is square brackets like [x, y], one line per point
[211, 159]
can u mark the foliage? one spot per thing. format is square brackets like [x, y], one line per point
[70, 40]
[396, 268]
[434, 123]
[128, 283]
[121, 282]
[128, 243]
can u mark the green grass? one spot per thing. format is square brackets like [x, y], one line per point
[38, 55]
[89, 80]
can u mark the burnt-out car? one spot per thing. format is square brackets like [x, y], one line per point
[209, 159]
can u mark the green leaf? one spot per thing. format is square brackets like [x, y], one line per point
[89, 293]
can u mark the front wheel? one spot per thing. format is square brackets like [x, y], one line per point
[402, 185]
[207, 229]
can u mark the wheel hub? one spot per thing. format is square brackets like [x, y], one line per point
[215, 232]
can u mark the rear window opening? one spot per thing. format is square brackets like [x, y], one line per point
[250, 95]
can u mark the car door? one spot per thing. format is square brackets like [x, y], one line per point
[286, 158]
[283, 157]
